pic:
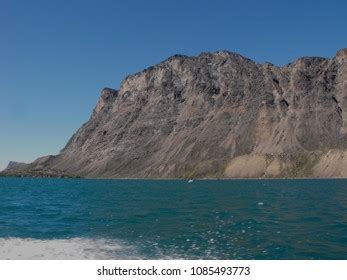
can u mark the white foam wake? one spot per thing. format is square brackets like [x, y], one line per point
[64, 249]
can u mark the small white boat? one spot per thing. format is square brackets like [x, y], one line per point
[190, 181]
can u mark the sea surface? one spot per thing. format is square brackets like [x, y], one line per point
[172, 219]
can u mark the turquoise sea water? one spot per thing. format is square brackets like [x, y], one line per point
[160, 219]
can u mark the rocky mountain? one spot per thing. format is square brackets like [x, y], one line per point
[214, 115]
[14, 164]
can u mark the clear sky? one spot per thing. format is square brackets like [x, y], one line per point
[56, 56]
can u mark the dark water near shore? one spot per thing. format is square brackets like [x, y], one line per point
[151, 219]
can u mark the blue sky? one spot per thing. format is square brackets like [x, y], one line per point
[56, 56]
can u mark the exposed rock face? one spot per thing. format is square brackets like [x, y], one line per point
[215, 115]
[14, 164]
[38, 168]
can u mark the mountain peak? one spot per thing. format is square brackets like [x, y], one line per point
[341, 55]
[14, 164]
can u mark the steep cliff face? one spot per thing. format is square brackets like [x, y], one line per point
[215, 115]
